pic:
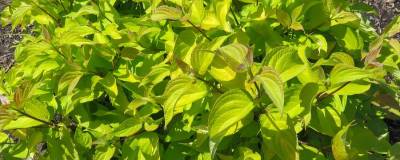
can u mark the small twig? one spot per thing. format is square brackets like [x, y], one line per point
[234, 16]
[59, 52]
[198, 29]
[62, 5]
[45, 11]
[211, 84]
[32, 117]
[257, 87]
[101, 11]
[325, 95]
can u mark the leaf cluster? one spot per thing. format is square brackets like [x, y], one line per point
[199, 79]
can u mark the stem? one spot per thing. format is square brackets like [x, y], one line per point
[198, 29]
[43, 10]
[62, 5]
[211, 84]
[71, 3]
[101, 12]
[32, 117]
[234, 16]
[257, 87]
[325, 95]
[272, 121]
[54, 47]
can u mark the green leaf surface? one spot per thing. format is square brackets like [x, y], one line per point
[344, 73]
[228, 110]
[128, 127]
[272, 85]
[166, 12]
[179, 92]
[22, 122]
[339, 144]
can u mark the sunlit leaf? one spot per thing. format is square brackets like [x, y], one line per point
[229, 109]
[272, 85]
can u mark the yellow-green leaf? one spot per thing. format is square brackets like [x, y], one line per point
[229, 109]
[339, 144]
[272, 84]
[166, 13]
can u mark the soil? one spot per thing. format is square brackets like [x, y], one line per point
[386, 9]
[8, 38]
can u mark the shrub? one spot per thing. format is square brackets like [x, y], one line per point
[199, 79]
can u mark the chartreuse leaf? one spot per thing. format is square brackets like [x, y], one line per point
[112, 31]
[221, 8]
[110, 85]
[128, 127]
[286, 62]
[170, 79]
[393, 27]
[166, 12]
[144, 146]
[308, 152]
[272, 3]
[83, 139]
[229, 109]
[104, 152]
[345, 73]
[203, 55]
[179, 92]
[321, 42]
[356, 87]
[18, 17]
[339, 144]
[247, 154]
[37, 109]
[156, 75]
[347, 37]
[279, 135]
[272, 84]
[84, 10]
[221, 71]
[197, 11]
[22, 122]
[283, 17]
[74, 35]
[345, 18]
[236, 56]
[307, 96]
[3, 137]
[336, 58]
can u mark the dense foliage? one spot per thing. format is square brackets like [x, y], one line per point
[199, 79]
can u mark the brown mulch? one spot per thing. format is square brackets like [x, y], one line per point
[8, 39]
[386, 9]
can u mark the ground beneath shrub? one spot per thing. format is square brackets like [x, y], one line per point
[387, 10]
